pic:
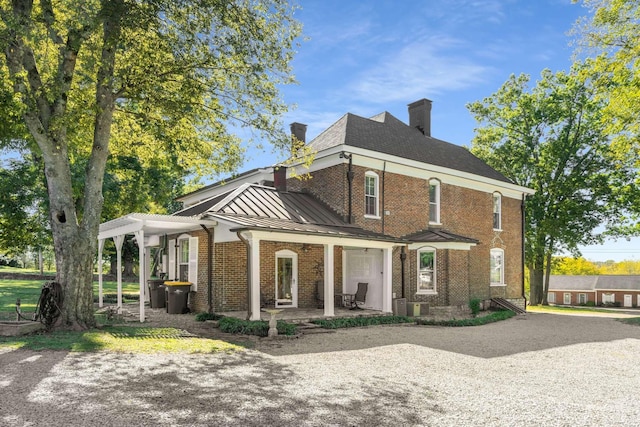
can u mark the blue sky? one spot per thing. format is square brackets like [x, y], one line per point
[366, 57]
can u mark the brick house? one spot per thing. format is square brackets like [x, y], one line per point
[418, 219]
[616, 290]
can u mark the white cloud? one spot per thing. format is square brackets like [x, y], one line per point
[426, 66]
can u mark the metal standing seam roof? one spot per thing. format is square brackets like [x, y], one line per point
[437, 236]
[252, 206]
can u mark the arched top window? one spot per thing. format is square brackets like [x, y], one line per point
[434, 201]
[497, 211]
[371, 183]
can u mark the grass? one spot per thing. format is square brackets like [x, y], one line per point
[29, 292]
[7, 269]
[561, 309]
[120, 339]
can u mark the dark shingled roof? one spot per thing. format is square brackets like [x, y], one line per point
[590, 283]
[386, 134]
[437, 236]
[257, 207]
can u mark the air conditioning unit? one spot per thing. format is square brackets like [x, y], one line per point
[400, 306]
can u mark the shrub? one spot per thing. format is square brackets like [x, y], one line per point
[201, 317]
[496, 316]
[474, 305]
[352, 322]
[590, 304]
[260, 328]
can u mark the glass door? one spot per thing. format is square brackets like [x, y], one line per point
[286, 279]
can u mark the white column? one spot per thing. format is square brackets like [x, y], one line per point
[387, 282]
[147, 271]
[255, 278]
[118, 240]
[141, 270]
[100, 262]
[329, 287]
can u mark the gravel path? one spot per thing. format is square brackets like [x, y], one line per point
[541, 369]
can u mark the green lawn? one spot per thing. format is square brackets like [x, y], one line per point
[121, 339]
[29, 291]
[6, 269]
[560, 309]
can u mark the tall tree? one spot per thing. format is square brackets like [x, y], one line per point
[551, 138]
[608, 38]
[158, 80]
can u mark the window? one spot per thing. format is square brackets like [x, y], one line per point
[497, 211]
[608, 298]
[551, 297]
[497, 267]
[582, 299]
[434, 202]
[183, 260]
[426, 271]
[371, 194]
[567, 298]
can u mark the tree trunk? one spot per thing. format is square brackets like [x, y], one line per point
[74, 261]
[536, 275]
[547, 274]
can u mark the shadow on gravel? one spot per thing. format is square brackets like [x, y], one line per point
[244, 388]
[519, 334]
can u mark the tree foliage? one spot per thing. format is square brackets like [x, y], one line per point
[608, 39]
[148, 85]
[551, 138]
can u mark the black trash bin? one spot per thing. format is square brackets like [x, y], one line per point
[177, 297]
[157, 292]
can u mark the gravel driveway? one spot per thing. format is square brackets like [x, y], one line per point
[541, 369]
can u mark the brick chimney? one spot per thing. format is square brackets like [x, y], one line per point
[298, 136]
[280, 178]
[420, 116]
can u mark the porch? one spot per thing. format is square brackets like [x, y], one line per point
[159, 316]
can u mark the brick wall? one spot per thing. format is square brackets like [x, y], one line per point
[462, 211]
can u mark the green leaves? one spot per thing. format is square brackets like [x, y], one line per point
[552, 138]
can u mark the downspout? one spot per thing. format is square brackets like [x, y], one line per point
[403, 258]
[350, 175]
[384, 170]
[249, 284]
[211, 248]
[523, 246]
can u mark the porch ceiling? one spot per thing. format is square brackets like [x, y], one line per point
[152, 224]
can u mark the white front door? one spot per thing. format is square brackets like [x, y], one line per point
[286, 279]
[364, 266]
[628, 300]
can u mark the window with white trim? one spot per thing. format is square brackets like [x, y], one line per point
[567, 298]
[551, 297]
[582, 298]
[608, 298]
[183, 260]
[371, 194]
[426, 271]
[497, 211]
[497, 267]
[434, 201]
